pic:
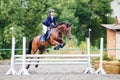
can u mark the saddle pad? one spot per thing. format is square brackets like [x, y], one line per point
[42, 38]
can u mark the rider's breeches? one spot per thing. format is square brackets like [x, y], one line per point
[44, 29]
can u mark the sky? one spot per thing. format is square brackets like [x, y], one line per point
[115, 5]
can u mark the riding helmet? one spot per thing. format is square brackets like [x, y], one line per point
[51, 10]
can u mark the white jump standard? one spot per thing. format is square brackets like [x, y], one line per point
[12, 69]
[24, 71]
[101, 70]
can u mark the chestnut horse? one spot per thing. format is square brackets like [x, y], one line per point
[56, 39]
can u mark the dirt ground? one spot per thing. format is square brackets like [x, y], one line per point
[53, 72]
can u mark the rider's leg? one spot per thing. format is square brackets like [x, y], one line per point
[44, 31]
[47, 35]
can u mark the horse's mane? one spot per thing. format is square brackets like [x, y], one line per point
[60, 23]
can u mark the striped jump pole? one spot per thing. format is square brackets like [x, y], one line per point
[12, 64]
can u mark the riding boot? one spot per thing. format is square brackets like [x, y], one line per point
[47, 35]
[44, 37]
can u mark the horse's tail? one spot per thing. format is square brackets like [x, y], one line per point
[30, 47]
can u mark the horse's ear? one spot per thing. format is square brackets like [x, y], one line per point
[70, 24]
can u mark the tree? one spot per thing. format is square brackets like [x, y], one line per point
[26, 17]
[92, 13]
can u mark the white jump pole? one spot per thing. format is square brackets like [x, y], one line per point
[101, 70]
[24, 71]
[12, 69]
[89, 69]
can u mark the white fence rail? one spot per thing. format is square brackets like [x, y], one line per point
[79, 59]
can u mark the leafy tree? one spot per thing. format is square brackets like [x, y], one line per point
[26, 17]
[92, 13]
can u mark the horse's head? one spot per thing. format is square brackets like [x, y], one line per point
[65, 28]
[68, 31]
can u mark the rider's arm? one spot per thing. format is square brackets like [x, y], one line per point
[49, 23]
[54, 22]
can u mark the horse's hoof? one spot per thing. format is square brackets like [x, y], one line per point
[27, 67]
[36, 66]
[56, 48]
[62, 45]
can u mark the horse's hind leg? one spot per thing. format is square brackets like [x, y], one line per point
[27, 67]
[34, 50]
[37, 64]
[41, 51]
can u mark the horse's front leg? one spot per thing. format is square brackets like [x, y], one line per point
[54, 42]
[62, 44]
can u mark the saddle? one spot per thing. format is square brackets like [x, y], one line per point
[45, 37]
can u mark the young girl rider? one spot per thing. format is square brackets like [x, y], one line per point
[49, 23]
